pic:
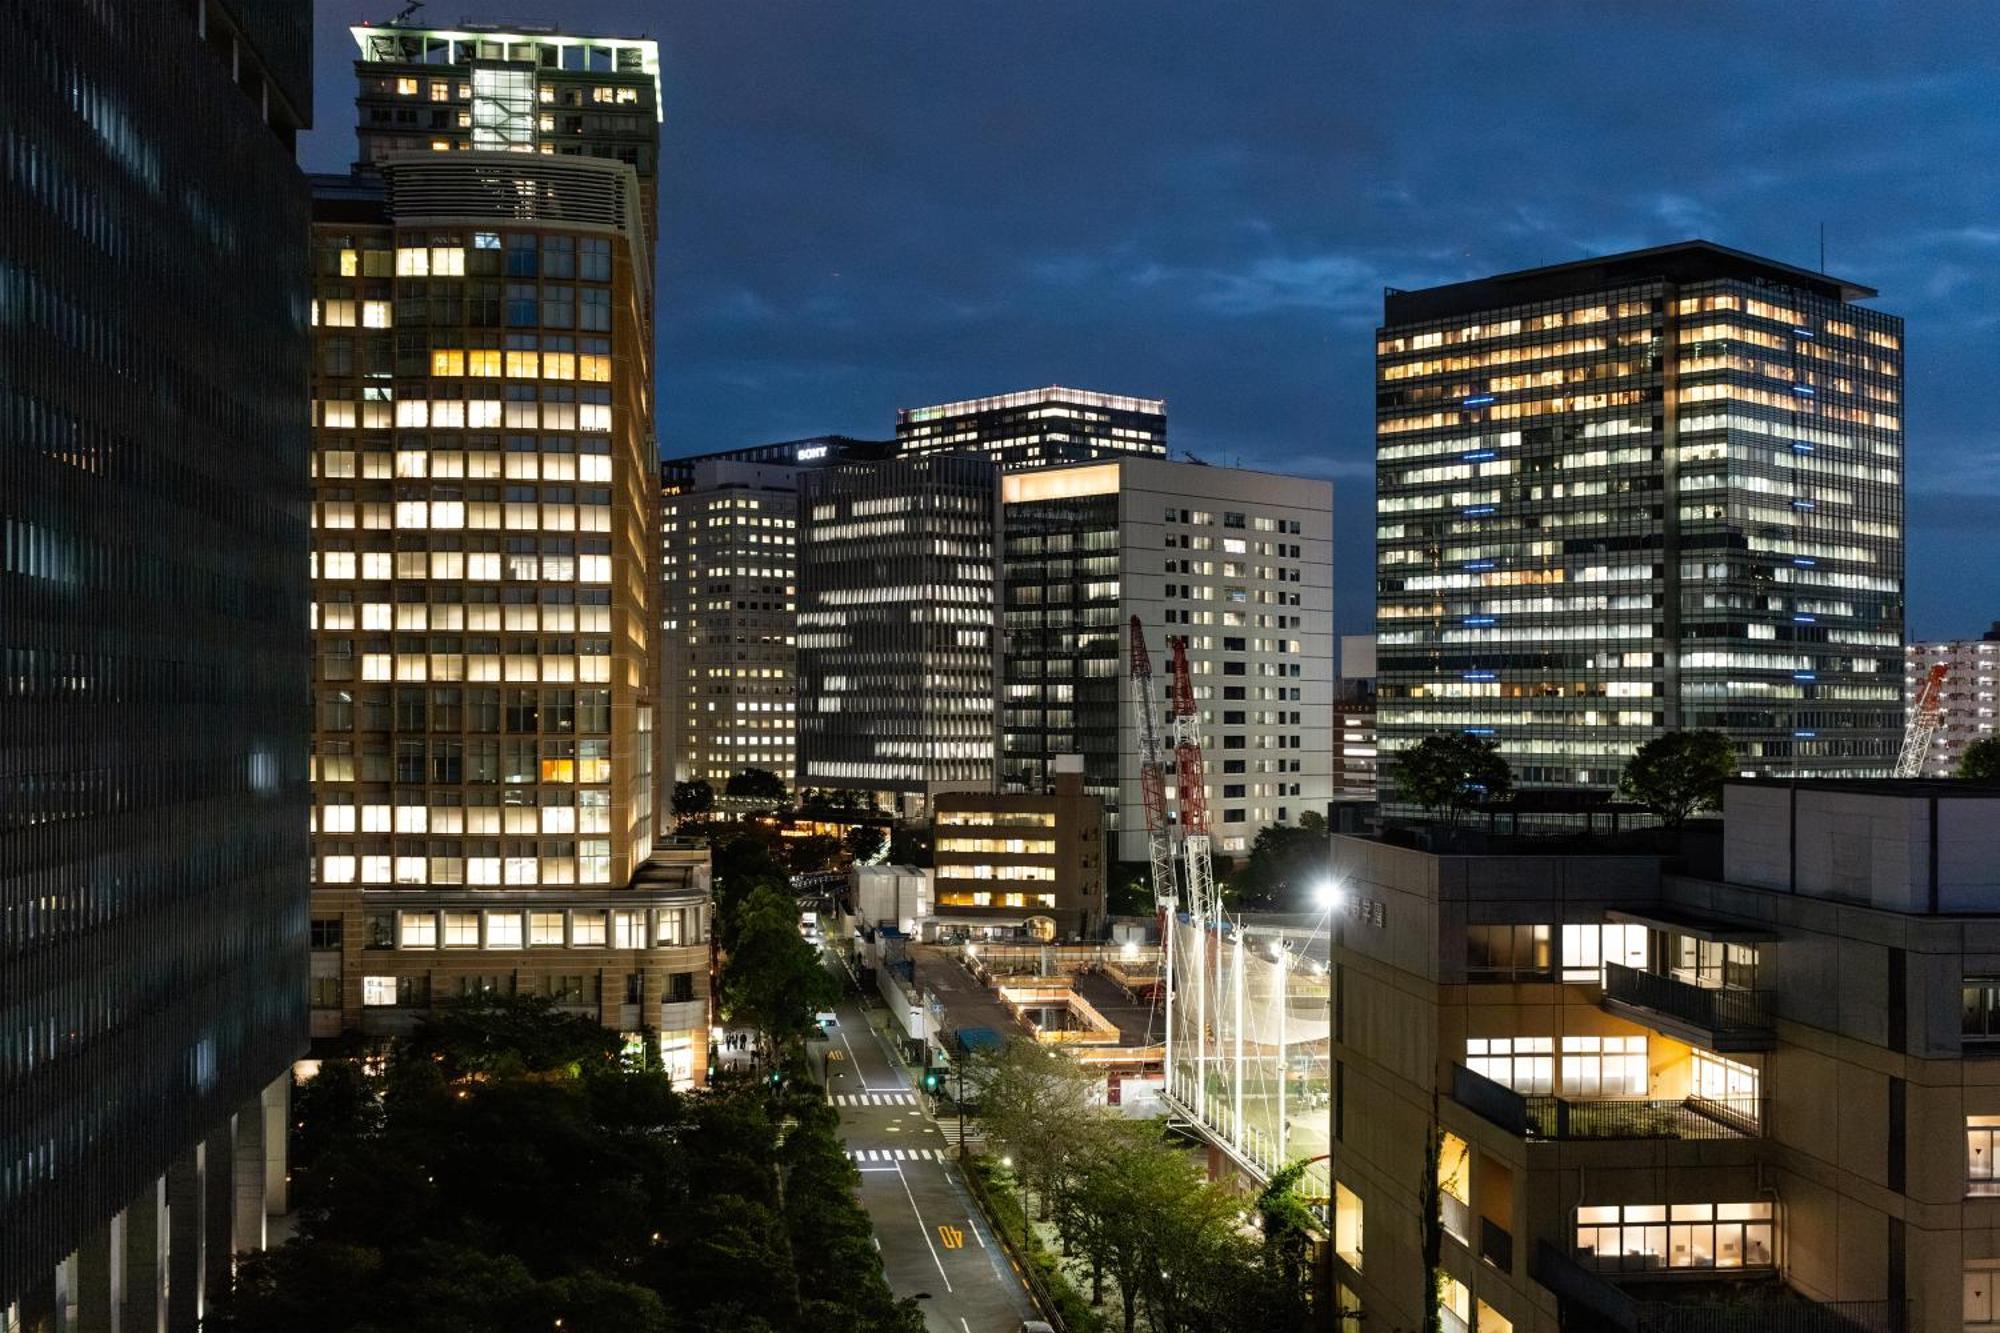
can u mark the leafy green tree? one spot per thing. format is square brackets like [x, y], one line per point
[507, 1178]
[865, 842]
[813, 854]
[1981, 760]
[756, 784]
[524, 1034]
[1288, 1227]
[1039, 1102]
[1679, 774]
[1283, 865]
[773, 979]
[1452, 772]
[693, 801]
[1130, 891]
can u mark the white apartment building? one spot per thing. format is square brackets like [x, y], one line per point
[1970, 668]
[1239, 562]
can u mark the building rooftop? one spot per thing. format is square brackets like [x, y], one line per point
[1683, 261]
[1910, 789]
[1055, 393]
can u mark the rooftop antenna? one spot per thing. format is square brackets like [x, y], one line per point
[409, 12]
[1822, 247]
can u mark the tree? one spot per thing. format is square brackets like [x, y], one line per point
[693, 800]
[1039, 1102]
[1451, 772]
[865, 843]
[1130, 892]
[813, 854]
[1679, 774]
[1284, 863]
[1981, 760]
[756, 784]
[498, 1185]
[773, 979]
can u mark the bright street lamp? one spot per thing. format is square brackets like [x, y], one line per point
[1329, 895]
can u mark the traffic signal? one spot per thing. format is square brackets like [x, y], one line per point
[930, 1081]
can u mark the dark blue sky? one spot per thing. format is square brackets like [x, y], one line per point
[869, 205]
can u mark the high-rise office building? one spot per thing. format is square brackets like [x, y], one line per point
[728, 606]
[1354, 719]
[1653, 491]
[898, 659]
[1969, 699]
[153, 548]
[484, 581]
[523, 89]
[1038, 427]
[1240, 563]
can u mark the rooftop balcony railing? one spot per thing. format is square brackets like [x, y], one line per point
[1722, 1018]
[1562, 1119]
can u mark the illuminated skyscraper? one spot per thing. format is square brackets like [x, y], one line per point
[1038, 427]
[728, 606]
[1653, 491]
[898, 650]
[484, 563]
[153, 548]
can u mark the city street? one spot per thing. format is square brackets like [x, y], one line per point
[932, 1236]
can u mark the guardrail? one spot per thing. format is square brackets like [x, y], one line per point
[1561, 1119]
[1713, 1009]
[1691, 1118]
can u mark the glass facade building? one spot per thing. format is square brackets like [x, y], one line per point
[1653, 491]
[1038, 427]
[153, 548]
[897, 645]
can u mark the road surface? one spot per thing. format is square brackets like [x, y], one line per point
[934, 1242]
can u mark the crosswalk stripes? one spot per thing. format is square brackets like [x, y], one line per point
[975, 1136]
[875, 1099]
[874, 1155]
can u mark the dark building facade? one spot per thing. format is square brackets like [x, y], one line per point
[153, 713]
[1038, 427]
[1652, 491]
[898, 653]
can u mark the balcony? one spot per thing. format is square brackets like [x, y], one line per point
[1556, 1119]
[1761, 1306]
[1719, 1018]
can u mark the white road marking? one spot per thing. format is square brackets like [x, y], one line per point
[925, 1229]
[976, 1233]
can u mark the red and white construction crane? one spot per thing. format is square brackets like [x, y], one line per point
[1190, 780]
[1926, 716]
[1152, 782]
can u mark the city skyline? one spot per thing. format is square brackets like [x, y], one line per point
[1235, 200]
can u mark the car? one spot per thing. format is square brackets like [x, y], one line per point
[826, 1018]
[1037, 1326]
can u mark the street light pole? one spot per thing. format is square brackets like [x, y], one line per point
[961, 1105]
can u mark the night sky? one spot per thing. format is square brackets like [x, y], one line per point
[869, 205]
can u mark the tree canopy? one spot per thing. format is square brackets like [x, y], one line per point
[693, 800]
[757, 784]
[1453, 772]
[772, 979]
[865, 842]
[1679, 774]
[1981, 760]
[1283, 865]
[500, 1175]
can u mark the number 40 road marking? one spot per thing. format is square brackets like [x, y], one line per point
[953, 1237]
